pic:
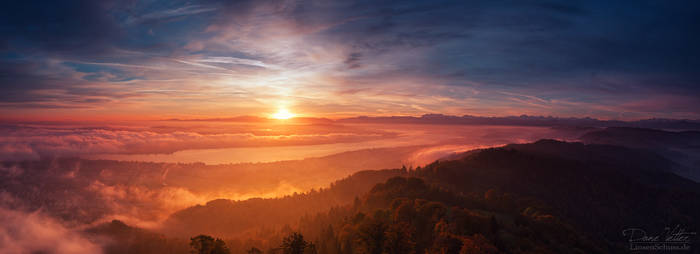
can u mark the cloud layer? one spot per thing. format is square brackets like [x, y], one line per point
[19, 142]
[177, 58]
[34, 232]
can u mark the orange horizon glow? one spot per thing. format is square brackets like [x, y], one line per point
[283, 114]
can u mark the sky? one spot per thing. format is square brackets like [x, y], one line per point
[115, 60]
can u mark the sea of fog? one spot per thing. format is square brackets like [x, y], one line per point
[49, 195]
[439, 140]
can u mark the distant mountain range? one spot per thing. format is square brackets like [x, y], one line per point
[523, 120]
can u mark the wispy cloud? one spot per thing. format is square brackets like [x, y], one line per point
[484, 57]
[169, 13]
[233, 60]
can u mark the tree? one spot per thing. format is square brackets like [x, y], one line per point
[254, 250]
[328, 244]
[294, 244]
[477, 244]
[494, 225]
[204, 244]
[220, 247]
[310, 249]
[371, 236]
[445, 242]
[399, 239]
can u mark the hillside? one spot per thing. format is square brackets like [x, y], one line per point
[682, 147]
[79, 191]
[600, 189]
[228, 218]
[543, 197]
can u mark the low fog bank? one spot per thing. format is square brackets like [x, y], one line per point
[218, 143]
[48, 203]
[78, 191]
[24, 230]
[60, 196]
[32, 142]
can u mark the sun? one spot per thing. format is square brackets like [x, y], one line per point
[282, 114]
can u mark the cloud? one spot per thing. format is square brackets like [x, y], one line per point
[169, 13]
[33, 232]
[76, 192]
[561, 52]
[102, 55]
[142, 206]
[428, 155]
[26, 142]
[233, 60]
[81, 27]
[353, 60]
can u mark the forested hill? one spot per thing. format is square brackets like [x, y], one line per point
[682, 147]
[230, 218]
[600, 189]
[543, 197]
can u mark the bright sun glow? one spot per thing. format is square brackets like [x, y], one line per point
[283, 113]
